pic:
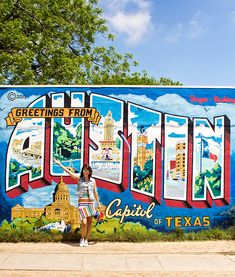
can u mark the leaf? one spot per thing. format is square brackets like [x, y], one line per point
[56, 42]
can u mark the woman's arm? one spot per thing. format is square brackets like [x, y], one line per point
[96, 195]
[72, 174]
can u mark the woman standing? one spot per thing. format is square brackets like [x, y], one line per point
[87, 194]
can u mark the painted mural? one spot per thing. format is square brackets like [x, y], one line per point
[161, 156]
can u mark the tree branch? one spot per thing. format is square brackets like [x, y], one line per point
[30, 14]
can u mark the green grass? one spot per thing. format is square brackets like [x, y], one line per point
[135, 232]
[28, 236]
[109, 230]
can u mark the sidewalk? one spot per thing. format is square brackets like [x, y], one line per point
[118, 259]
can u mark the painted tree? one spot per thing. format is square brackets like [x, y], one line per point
[55, 42]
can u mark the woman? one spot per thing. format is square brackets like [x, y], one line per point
[87, 194]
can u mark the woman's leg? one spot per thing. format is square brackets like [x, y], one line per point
[83, 229]
[88, 228]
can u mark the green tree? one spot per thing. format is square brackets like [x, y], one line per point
[66, 146]
[14, 166]
[5, 225]
[118, 143]
[54, 42]
[148, 167]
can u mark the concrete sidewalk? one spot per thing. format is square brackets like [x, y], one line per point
[118, 259]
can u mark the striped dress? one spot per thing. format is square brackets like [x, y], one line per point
[86, 206]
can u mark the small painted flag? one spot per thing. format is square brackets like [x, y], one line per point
[206, 151]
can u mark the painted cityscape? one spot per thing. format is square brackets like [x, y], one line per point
[144, 129]
[107, 145]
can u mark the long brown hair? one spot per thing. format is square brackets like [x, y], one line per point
[87, 167]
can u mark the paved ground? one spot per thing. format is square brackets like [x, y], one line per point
[215, 258]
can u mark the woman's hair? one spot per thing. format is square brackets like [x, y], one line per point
[86, 167]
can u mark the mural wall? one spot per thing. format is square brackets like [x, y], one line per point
[161, 156]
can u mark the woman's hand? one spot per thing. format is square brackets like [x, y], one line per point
[72, 174]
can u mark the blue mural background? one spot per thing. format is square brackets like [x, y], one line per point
[180, 101]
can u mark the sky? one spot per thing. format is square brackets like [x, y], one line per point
[190, 41]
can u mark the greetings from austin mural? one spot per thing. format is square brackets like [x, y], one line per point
[161, 156]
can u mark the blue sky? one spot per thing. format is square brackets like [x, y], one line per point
[144, 117]
[191, 41]
[109, 104]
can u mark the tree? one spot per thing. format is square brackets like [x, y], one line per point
[5, 225]
[54, 42]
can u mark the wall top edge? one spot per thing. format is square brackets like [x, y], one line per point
[112, 86]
